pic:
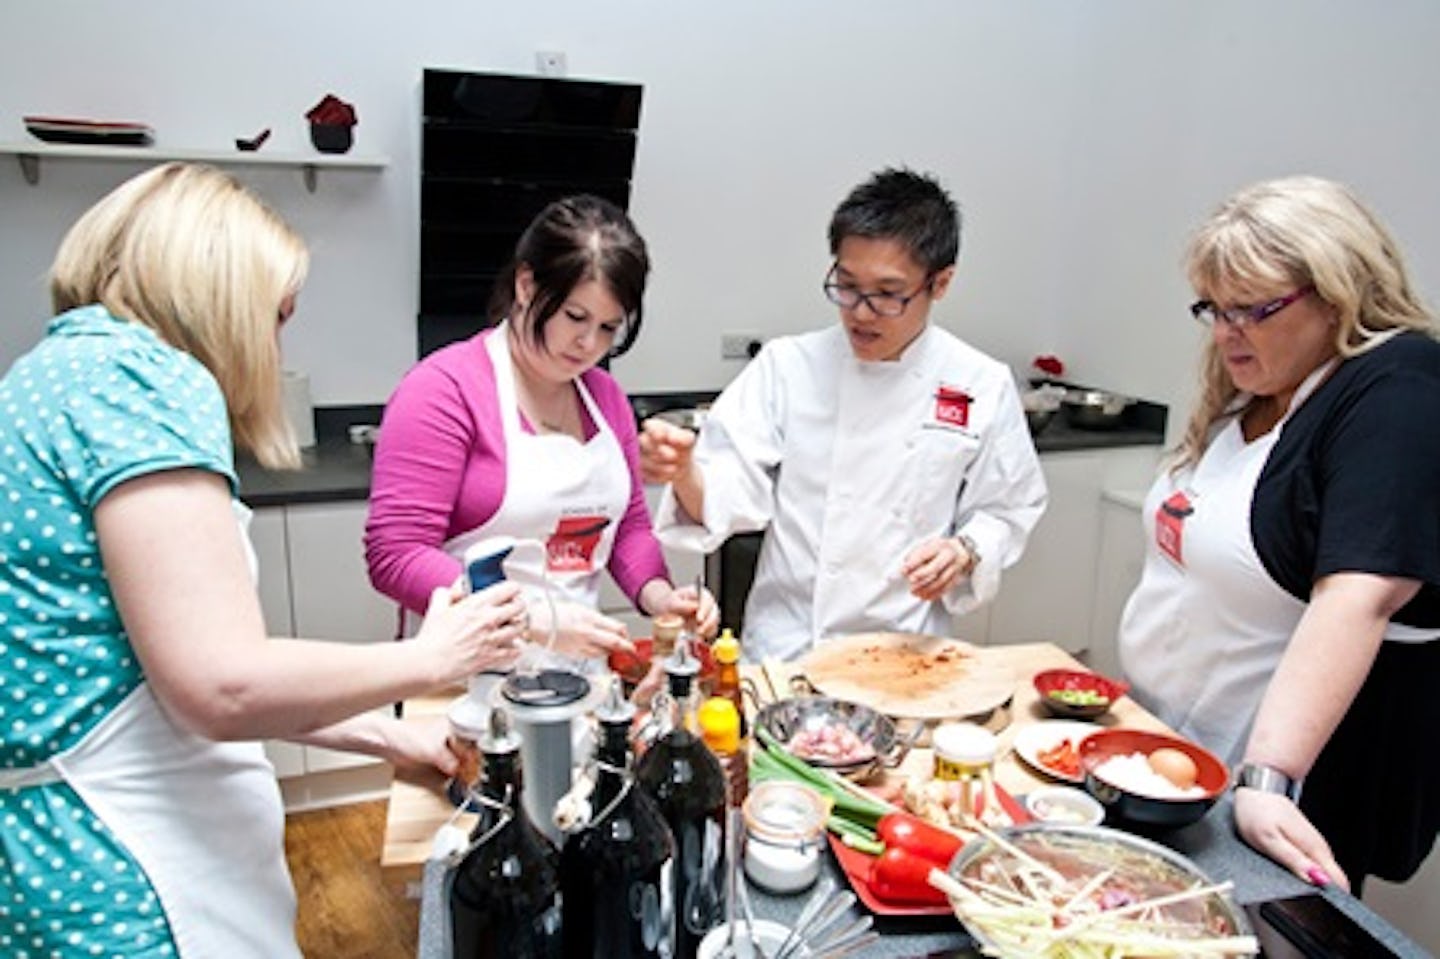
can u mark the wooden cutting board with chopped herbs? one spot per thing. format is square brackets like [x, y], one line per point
[910, 674]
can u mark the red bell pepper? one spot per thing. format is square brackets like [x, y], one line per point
[898, 875]
[900, 830]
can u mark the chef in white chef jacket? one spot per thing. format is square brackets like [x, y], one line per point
[889, 462]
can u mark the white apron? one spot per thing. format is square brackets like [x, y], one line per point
[1206, 627]
[568, 495]
[204, 820]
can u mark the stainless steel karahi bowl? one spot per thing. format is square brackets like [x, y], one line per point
[785, 718]
[1138, 869]
[1095, 409]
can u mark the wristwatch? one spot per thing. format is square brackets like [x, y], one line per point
[971, 549]
[1268, 779]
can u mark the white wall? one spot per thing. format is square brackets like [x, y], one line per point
[1083, 140]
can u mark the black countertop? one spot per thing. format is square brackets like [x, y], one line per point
[336, 469]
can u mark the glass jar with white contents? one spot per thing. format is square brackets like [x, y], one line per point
[784, 830]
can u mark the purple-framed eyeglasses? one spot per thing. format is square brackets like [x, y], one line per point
[1241, 316]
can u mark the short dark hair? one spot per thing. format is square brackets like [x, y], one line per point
[573, 240]
[900, 204]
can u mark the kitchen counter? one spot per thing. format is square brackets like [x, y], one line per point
[336, 469]
[415, 812]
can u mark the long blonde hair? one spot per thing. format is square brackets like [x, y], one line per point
[189, 252]
[1301, 231]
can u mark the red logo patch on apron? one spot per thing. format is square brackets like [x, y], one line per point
[571, 548]
[1170, 525]
[952, 406]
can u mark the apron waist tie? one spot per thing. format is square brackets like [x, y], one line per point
[44, 774]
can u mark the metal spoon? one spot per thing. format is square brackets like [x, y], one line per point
[812, 908]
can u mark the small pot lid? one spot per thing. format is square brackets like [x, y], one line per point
[548, 687]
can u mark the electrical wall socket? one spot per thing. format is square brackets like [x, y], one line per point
[551, 63]
[740, 346]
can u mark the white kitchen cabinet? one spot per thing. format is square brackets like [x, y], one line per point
[1052, 593]
[331, 594]
[1048, 595]
[314, 584]
[267, 536]
[1122, 554]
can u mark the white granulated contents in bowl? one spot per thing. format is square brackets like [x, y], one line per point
[1132, 773]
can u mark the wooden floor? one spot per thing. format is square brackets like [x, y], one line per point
[346, 912]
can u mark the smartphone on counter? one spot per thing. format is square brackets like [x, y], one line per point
[1309, 926]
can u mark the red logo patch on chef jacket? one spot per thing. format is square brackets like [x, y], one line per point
[571, 548]
[952, 406]
[1170, 526]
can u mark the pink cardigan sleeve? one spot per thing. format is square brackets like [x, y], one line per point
[439, 469]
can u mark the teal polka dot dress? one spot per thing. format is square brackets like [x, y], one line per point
[99, 401]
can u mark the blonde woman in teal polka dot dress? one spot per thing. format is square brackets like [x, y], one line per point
[138, 815]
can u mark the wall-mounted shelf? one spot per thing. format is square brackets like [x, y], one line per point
[30, 154]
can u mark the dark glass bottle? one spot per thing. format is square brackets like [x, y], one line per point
[505, 900]
[615, 872]
[689, 786]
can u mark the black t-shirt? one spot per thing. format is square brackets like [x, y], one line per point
[1353, 483]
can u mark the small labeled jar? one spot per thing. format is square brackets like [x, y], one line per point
[965, 753]
[784, 830]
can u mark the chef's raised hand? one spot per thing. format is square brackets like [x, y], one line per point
[934, 566]
[472, 633]
[1273, 825]
[579, 630]
[665, 451]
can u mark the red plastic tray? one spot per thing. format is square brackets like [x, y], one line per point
[856, 866]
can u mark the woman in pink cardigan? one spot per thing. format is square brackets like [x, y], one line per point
[516, 432]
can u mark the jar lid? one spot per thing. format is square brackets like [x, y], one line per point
[782, 811]
[965, 743]
[726, 649]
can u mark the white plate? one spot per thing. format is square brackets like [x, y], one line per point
[1046, 735]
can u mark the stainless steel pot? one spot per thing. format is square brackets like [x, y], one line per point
[1094, 409]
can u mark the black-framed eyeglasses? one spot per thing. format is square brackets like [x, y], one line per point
[881, 304]
[1241, 316]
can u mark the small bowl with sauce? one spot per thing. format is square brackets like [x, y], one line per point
[1077, 694]
[1064, 804]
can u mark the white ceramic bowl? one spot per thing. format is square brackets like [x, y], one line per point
[1064, 805]
[769, 934]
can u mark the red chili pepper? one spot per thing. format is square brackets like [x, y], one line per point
[900, 876]
[915, 835]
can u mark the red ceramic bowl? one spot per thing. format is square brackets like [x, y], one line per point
[1135, 807]
[632, 667]
[1078, 681]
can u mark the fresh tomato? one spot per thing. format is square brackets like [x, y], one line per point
[901, 830]
[900, 876]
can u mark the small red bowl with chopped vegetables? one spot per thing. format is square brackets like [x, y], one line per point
[1077, 694]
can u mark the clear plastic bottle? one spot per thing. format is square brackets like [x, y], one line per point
[505, 900]
[615, 871]
[688, 784]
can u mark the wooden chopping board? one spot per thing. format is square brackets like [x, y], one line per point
[909, 675]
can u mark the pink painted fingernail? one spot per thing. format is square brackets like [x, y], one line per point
[1318, 876]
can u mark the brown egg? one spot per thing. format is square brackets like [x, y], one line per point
[1175, 766]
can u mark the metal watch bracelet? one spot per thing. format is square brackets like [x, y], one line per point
[1268, 779]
